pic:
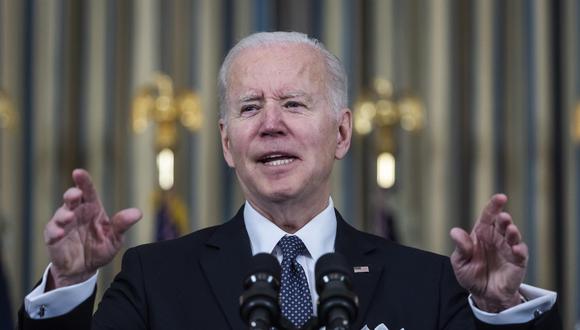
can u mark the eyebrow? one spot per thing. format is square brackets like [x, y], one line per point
[251, 97]
[297, 94]
[290, 95]
[285, 96]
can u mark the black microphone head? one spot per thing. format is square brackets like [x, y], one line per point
[331, 263]
[264, 263]
[337, 303]
[259, 301]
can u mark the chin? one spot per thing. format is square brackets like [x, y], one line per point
[278, 195]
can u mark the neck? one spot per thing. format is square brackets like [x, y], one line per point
[291, 215]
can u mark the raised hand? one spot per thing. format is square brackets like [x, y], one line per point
[491, 261]
[81, 237]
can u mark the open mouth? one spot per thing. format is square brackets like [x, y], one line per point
[277, 159]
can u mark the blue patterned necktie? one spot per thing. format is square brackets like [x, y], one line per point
[295, 298]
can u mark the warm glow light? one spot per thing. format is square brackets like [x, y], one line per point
[363, 117]
[386, 170]
[576, 127]
[362, 126]
[165, 161]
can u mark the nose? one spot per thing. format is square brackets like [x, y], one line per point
[273, 123]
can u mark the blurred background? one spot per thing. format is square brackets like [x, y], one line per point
[454, 100]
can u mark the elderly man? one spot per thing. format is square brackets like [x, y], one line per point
[284, 121]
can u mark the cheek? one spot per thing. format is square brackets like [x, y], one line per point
[235, 147]
[322, 148]
[326, 138]
[237, 151]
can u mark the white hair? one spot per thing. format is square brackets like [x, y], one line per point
[337, 84]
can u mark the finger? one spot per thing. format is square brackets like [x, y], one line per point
[503, 220]
[63, 217]
[463, 244]
[513, 235]
[84, 182]
[72, 198]
[53, 233]
[520, 253]
[58, 226]
[124, 219]
[492, 208]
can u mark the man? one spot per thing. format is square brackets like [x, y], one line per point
[284, 121]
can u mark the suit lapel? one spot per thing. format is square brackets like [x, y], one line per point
[358, 248]
[225, 263]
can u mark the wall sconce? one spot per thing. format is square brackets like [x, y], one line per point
[380, 111]
[8, 117]
[158, 103]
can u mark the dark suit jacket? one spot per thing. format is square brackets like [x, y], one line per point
[194, 282]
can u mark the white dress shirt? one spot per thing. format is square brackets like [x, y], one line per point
[39, 304]
[318, 236]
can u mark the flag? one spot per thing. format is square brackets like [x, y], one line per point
[171, 216]
[385, 223]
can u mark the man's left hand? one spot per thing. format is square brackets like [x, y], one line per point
[491, 261]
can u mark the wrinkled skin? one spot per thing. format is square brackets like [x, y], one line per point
[278, 106]
[81, 237]
[491, 261]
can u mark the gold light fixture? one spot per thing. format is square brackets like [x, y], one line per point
[576, 123]
[8, 117]
[380, 111]
[158, 103]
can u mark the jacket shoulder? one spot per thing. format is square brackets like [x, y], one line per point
[392, 249]
[184, 244]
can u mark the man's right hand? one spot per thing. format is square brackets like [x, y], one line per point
[80, 236]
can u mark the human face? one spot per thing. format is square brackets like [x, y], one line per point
[280, 134]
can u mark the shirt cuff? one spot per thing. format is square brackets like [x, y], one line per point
[539, 301]
[41, 305]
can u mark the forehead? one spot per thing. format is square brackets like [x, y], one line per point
[277, 67]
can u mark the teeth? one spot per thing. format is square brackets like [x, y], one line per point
[279, 162]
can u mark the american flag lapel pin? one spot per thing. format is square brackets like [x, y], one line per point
[361, 269]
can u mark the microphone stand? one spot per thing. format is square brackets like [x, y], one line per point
[312, 324]
[284, 324]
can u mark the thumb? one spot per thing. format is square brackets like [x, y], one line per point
[463, 245]
[124, 219]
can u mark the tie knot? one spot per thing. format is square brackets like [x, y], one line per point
[291, 246]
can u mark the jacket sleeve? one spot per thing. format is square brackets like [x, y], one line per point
[124, 304]
[550, 320]
[79, 318]
[454, 310]
[455, 313]
[122, 307]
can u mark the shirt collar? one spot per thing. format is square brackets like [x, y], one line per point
[318, 234]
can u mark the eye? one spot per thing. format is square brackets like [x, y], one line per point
[293, 104]
[249, 108]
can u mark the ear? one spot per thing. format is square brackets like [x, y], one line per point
[344, 133]
[225, 138]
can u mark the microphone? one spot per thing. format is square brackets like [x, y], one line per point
[337, 303]
[259, 301]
